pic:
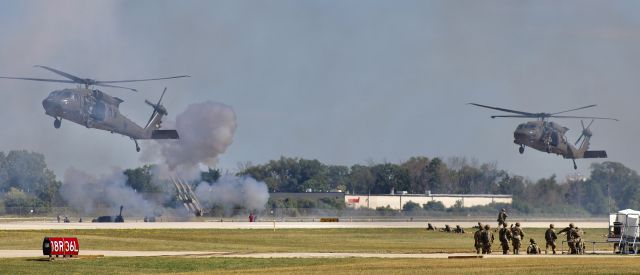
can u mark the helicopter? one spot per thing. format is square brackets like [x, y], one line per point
[93, 108]
[548, 136]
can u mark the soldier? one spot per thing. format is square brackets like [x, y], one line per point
[459, 229]
[516, 236]
[504, 235]
[476, 237]
[430, 227]
[502, 217]
[572, 237]
[447, 228]
[551, 237]
[533, 247]
[580, 246]
[487, 239]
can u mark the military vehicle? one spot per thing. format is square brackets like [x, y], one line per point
[548, 136]
[93, 108]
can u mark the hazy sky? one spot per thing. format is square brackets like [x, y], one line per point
[343, 82]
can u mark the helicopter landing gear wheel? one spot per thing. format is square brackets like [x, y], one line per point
[521, 149]
[137, 147]
[57, 123]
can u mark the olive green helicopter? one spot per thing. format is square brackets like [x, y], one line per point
[548, 136]
[93, 108]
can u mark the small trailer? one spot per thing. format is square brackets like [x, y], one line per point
[624, 232]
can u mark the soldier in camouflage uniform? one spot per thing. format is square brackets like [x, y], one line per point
[516, 237]
[551, 237]
[573, 237]
[476, 237]
[502, 217]
[504, 235]
[487, 239]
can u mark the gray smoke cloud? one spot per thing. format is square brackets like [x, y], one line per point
[230, 191]
[89, 194]
[206, 130]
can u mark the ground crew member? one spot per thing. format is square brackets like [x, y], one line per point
[551, 237]
[502, 217]
[533, 247]
[476, 237]
[504, 235]
[516, 237]
[487, 239]
[572, 237]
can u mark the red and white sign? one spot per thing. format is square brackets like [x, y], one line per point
[64, 246]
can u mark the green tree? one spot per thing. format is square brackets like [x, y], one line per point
[140, 179]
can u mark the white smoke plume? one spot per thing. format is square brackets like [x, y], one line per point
[87, 193]
[230, 191]
[206, 129]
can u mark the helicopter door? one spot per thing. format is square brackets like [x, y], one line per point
[554, 138]
[99, 111]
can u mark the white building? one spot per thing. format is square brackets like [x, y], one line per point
[398, 200]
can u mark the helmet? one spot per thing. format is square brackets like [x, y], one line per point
[532, 240]
[517, 224]
[480, 224]
[504, 225]
[551, 226]
[571, 225]
[503, 210]
[487, 227]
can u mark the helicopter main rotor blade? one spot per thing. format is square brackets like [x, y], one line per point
[67, 75]
[585, 107]
[587, 117]
[511, 116]
[39, 79]
[114, 86]
[504, 110]
[139, 80]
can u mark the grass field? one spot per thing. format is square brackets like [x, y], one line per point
[173, 265]
[397, 240]
[295, 240]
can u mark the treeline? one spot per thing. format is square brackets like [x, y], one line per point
[420, 175]
[27, 183]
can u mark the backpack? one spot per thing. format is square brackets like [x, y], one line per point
[484, 237]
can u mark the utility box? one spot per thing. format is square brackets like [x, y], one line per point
[60, 246]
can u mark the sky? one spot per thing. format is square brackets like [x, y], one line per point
[344, 82]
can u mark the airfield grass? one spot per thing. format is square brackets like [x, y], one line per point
[391, 240]
[177, 265]
[397, 240]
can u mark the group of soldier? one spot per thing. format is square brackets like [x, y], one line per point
[484, 238]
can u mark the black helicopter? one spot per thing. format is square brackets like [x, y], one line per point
[93, 108]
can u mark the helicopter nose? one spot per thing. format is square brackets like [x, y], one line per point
[51, 107]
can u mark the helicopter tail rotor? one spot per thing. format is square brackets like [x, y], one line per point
[157, 108]
[585, 131]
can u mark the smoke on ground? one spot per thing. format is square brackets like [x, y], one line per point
[231, 191]
[88, 194]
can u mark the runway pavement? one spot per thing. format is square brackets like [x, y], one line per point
[45, 225]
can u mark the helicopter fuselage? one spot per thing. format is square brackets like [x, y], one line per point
[92, 109]
[543, 136]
